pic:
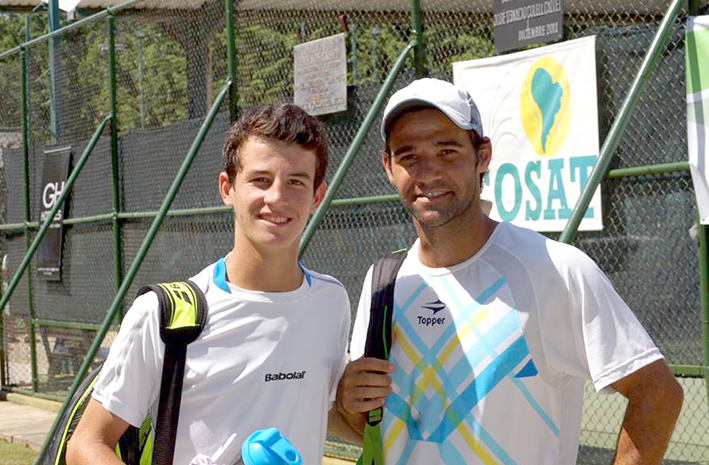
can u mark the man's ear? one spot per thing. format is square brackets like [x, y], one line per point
[225, 189]
[483, 155]
[318, 196]
[386, 163]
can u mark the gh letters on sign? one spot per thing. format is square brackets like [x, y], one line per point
[49, 253]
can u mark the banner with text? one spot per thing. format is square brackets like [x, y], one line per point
[49, 252]
[320, 75]
[539, 108]
[697, 75]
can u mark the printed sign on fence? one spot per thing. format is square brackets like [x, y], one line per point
[525, 22]
[49, 253]
[539, 109]
[697, 75]
[320, 74]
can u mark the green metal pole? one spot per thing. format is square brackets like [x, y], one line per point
[135, 266]
[115, 223]
[660, 168]
[26, 163]
[611, 141]
[52, 213]
[417, 29]
[703, 255]
[54, 54]
[231, 57]
[354, 147]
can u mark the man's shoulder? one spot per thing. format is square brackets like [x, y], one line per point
[535, 251]
[317, 279]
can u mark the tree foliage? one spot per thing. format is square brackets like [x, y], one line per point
[153, 87]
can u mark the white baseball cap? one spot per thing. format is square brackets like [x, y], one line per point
[453, 101]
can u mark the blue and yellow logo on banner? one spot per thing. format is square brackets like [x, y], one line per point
[544, 106]
[540, 111]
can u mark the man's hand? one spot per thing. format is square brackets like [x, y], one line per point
[363, 387]
[654, 402]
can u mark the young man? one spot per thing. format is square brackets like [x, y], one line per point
[520, 321]
[267, 315]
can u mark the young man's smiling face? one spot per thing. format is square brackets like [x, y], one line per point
[272, 194]
[435, 168]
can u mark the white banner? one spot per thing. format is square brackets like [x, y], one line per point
[539, 109]
[697, 74]
[320, 75]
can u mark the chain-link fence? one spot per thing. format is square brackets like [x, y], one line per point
[172, 62]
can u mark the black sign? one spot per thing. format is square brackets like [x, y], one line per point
[49, 253]
[525, 22]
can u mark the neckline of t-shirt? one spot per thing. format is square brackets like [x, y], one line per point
[258, 296]
[423, 269]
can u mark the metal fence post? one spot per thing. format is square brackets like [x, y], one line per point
[115, 223]
[417, 29]
[231, 55]
[55, 108]
[26, 165]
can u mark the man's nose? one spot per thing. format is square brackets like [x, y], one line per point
[275, 192]
[428, 168]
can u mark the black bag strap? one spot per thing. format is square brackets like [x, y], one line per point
[183, 309]
[384, 272]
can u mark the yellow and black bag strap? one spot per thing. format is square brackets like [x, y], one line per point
[183, 311]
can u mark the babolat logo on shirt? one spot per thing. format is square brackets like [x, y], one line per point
[435, 307]
[285, 376]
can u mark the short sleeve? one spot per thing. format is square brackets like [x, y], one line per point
[605, 341]
[129, 381]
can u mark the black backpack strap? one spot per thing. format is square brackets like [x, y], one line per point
[183, 309]
[384, 273]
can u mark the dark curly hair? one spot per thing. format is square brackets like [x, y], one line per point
[283, 122]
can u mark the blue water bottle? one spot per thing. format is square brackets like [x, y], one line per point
[269, 447]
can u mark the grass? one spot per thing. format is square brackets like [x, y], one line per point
[14, 454]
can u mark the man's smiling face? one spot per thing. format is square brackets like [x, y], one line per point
[435, 168]
[272, 193]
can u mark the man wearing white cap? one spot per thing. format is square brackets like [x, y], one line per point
[495, 327]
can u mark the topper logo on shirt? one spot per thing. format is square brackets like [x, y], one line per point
[435, 307]
[284, 376]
